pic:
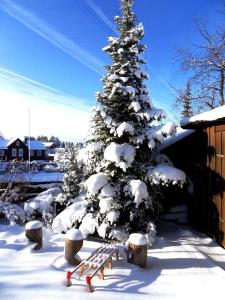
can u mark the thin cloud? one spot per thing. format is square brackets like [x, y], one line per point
[169, 115]
[163, 82]
[68, 118]
[14, 82]
[39, 26]
[101, 14]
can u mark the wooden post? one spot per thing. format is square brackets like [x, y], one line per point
[73, 244]
[137, 250]
[33, 231]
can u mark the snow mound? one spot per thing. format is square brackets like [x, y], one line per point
[124, 127]
[139, 190]
[88, 152]
[106, 191]
[105, 204]
[113, 216]
[135, 105]
[122, 155]
[168, 129]
[33, 225]
[72, 214]
[95, 182]
[42, 202]
[118, 234]
[103, 229]
[74, 235]
[137, 239]
[166, 174]
[89, 225]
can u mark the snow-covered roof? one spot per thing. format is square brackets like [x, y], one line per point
[1, 135]
[48, 144]
[216, 114]
[3, 143]
[11, 141]
[180, 135]
[36, 145]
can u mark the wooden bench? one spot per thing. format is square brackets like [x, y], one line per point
[94, 262]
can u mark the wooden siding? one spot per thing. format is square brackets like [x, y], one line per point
[202, 157]
[216, 163]
[17, 144]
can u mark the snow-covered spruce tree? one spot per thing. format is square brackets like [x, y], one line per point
[73, 172]
[68, 162]
[122, 185]
[187, 101]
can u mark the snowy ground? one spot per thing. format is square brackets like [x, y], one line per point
[183, 264]
[40, 176]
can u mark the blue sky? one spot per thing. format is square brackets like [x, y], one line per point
[51, 59]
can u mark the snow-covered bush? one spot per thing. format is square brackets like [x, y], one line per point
[11, 198]
[12, 212]
[121, 152]
[43, 206]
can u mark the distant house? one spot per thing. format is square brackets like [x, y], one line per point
[18, 150]
[37, 150]
[14, 149]
[3, 148]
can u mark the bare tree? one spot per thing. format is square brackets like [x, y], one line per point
[206, 64]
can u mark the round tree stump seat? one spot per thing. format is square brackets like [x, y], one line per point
[33, 232]
[137, 249]
[73, 244]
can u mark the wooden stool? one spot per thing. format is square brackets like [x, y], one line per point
[73, 244]
[33, 231]
[137, 249]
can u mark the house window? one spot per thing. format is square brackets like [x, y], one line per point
[21, 152]
[31, 152]
[14, 152]
[17, 143]
[1, 152]
[39, 153]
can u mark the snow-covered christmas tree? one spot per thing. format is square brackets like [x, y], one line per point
[123, 168]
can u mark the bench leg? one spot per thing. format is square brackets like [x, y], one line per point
[88, 281]
[101, 273]
[68, 277]
[110, 263]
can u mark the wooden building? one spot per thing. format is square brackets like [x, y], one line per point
[37, 150]
[209, 197]
[199, 150]
[18, 150]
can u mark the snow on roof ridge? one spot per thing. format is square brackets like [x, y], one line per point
[12, 140]
[211, 115]
[181, 134]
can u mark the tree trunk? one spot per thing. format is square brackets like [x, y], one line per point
[137, 254]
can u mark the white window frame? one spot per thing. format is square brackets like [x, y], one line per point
[17, 143]
[20, 152]
[14, 152]
[2, 152]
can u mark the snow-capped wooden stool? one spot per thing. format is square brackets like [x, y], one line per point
[33, 231]
[95, 261]
[137, 249]
[73, 244]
